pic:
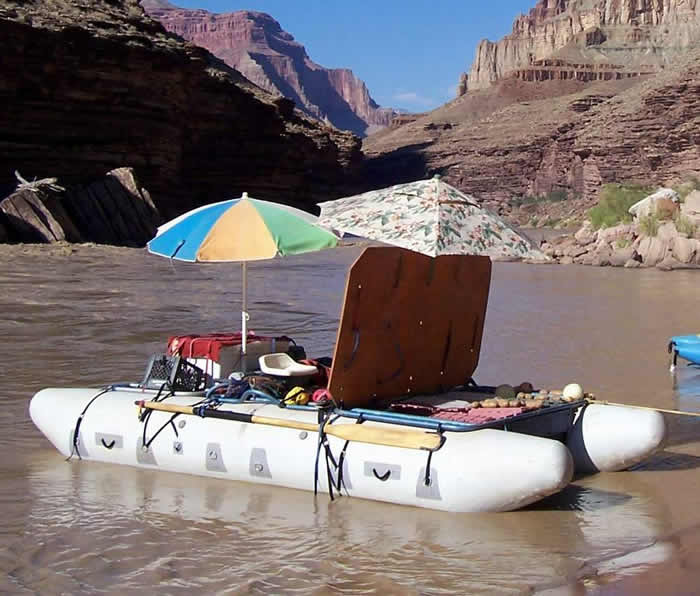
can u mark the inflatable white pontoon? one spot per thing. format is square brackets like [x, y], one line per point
[410, 332]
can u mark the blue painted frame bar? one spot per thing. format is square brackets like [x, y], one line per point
[450, 425]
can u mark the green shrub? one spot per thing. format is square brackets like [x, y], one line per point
[521, 200]
[622, 243]
[550, 222]
[687, 187]
[615, 201]
[556, 196]
[649, 225]
[684, 225]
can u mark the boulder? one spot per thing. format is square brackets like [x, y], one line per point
[586, 235]
[584, 259]
[691, 207]
[684, 249]
[648, 205]
[112, 210]
[620, 256]
[35, 213]
[633, 264]
[566, 261]
[667, 232]
[548, 249]
[668, 264]
[666, 209]
[602, 257]
[616, 233]
[652, 250]
[574, 251]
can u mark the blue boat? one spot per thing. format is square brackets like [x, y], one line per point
[685, 346]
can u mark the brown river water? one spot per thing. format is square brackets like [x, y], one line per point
[93, 315]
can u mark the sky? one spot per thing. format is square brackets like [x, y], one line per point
[409, 53]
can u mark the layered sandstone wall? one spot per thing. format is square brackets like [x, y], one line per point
[256, 45]
[89, 86]
[631, 33]
[552, 141]
[647, 134]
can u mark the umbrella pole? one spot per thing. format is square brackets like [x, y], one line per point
[244, 315]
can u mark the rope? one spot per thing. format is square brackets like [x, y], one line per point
[612, 403]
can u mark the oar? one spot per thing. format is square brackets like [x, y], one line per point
[612, 403]
[408, 439]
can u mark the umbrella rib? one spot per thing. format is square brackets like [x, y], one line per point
[177, 249]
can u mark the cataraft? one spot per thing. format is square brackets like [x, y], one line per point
[393, 416]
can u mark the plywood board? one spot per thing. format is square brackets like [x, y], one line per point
[410, 324]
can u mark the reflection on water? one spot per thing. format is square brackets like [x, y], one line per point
[686, 385]
[97, 315]
[283, 540]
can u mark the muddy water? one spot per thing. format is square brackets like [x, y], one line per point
[95, 316]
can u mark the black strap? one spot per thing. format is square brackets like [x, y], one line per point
[440, 431]
[76, 432]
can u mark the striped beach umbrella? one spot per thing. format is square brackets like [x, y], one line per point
[240, 230]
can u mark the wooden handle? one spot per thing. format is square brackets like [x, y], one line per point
[408, 439]
[156, 405]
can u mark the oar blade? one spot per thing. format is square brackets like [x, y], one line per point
[407, 439]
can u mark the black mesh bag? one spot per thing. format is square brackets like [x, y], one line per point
[175, 372]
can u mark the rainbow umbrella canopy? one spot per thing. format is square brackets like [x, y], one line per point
[430, 217]
[240, 230]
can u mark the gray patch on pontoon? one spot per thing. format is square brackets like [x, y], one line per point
[145, 456]
[82, 447]
[381, 469]
[258, 465]
[178, 448]
[214, 458]
[116, 441]
[432, 491]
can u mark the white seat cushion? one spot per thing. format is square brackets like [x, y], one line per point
[283, 365]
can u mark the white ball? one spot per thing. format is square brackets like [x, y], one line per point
[573, 391]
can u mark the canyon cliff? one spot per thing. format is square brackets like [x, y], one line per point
[256, 45]
[90, 86]
[581, 94]
[626, 36]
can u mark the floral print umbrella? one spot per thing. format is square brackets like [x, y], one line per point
[430, 217]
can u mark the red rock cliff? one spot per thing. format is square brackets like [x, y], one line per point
[255, 44]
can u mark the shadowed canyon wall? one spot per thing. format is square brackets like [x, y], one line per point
[87, 87]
